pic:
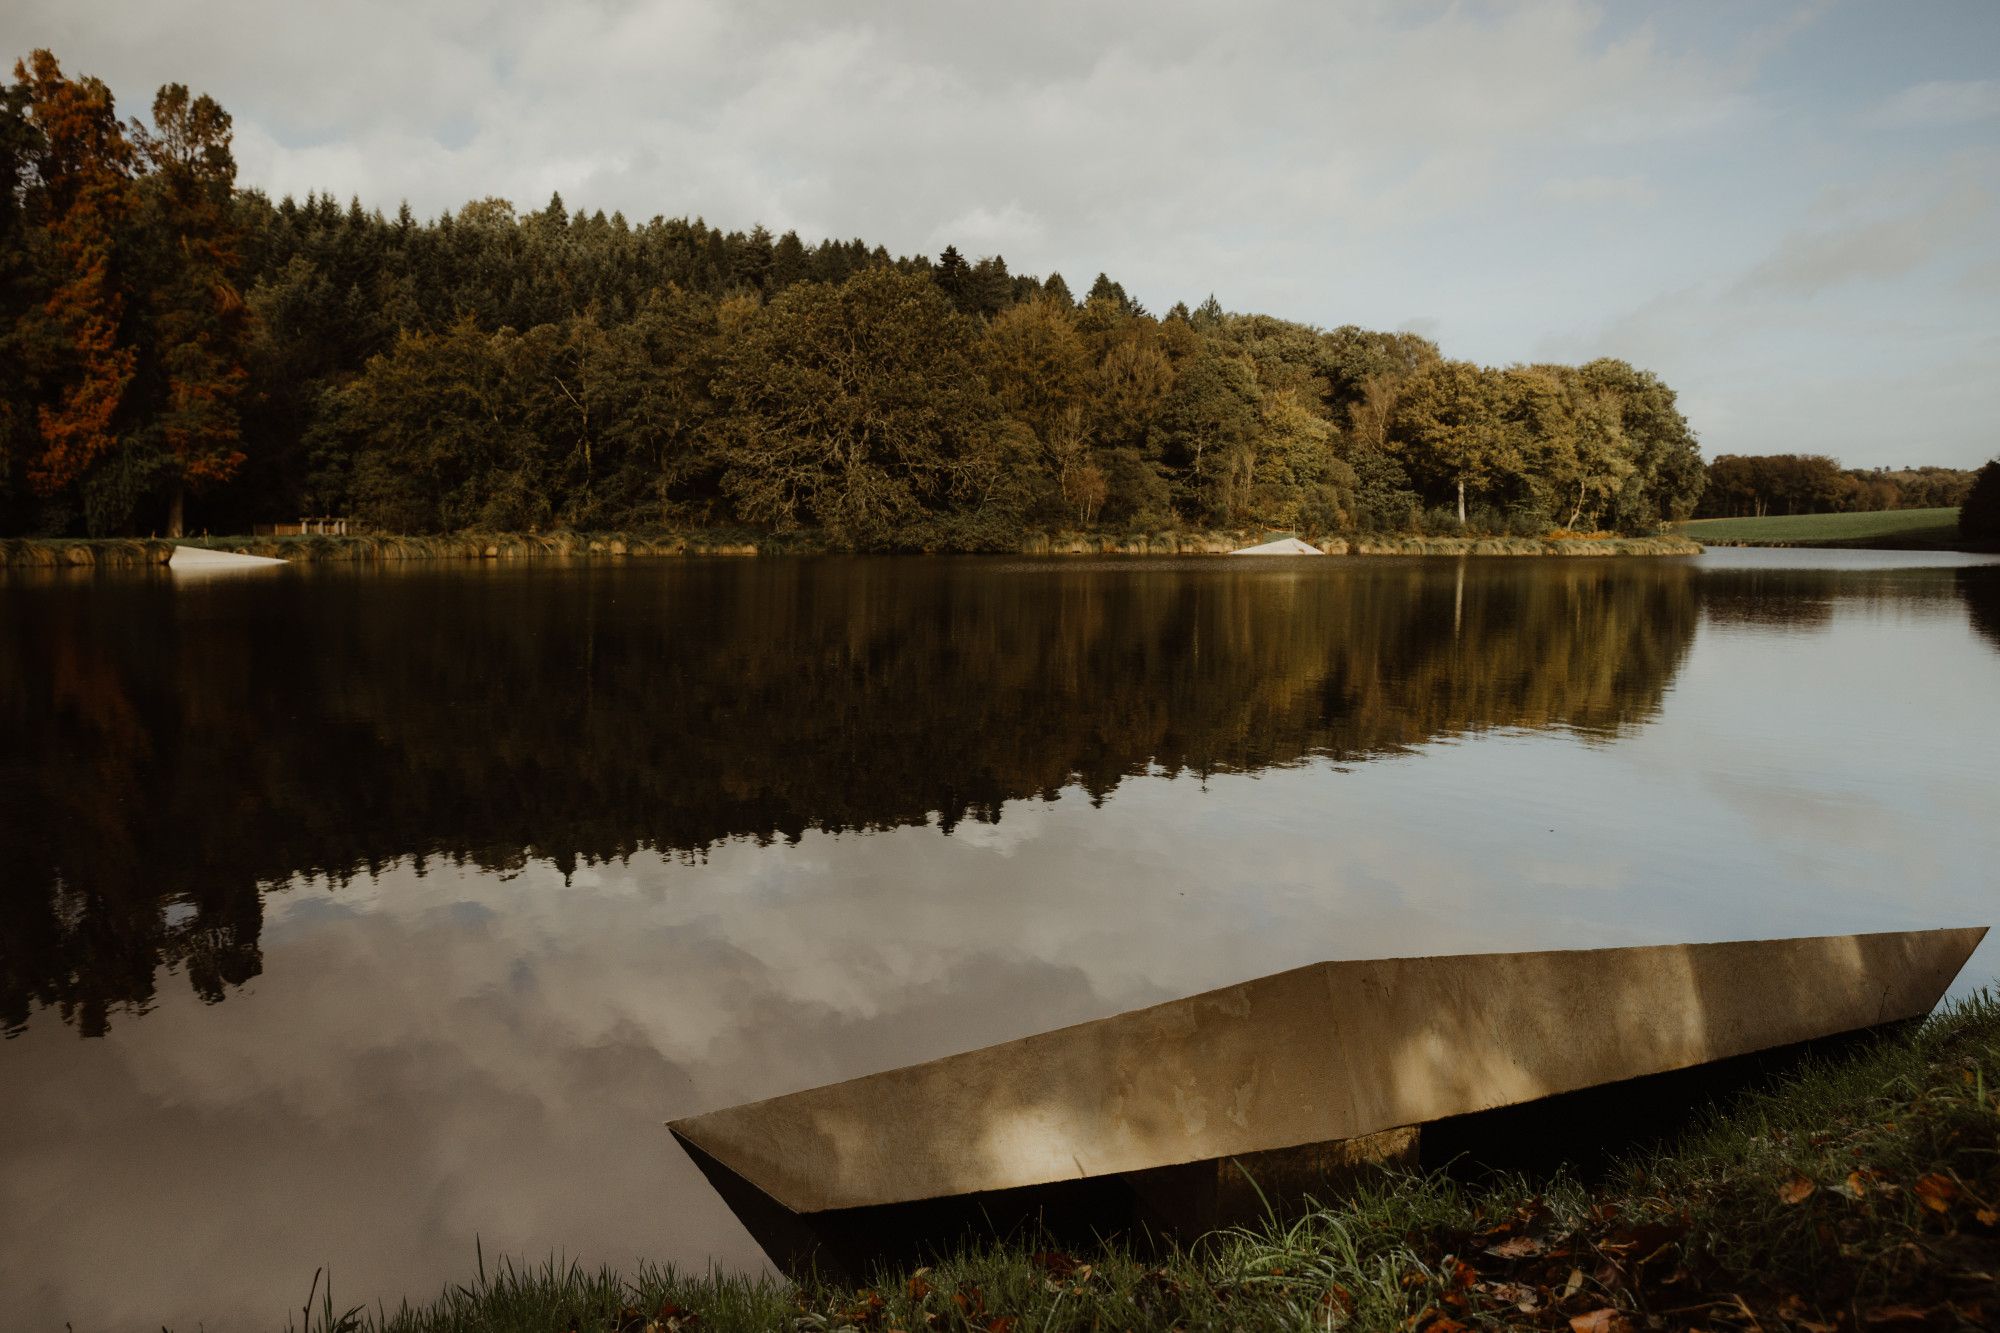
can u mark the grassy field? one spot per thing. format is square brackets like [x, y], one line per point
[1891, 529]
[1857, 1193]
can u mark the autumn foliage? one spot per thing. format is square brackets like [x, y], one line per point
[125, 325]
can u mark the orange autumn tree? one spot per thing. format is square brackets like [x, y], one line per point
[198, 320]
[79, 201]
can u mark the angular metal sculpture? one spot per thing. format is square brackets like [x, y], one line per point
[1283, 546]
[201, 560]
[1336, 1062]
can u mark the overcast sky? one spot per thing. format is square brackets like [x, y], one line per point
[1789, 210]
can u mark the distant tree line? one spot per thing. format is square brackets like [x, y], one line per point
[172, 341]
[1756, 485]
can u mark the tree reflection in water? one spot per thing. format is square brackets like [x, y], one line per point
[169, 753]
[1980, 586]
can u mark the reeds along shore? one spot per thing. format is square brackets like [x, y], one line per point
[54, 553]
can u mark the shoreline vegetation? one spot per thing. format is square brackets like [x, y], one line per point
[54, 553]
[1858, 1191]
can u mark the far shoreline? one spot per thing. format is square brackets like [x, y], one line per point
[117, 552]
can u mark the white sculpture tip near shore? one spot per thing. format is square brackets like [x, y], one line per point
[1283, 546]
[198, 560]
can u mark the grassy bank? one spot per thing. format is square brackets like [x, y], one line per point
[1891, 529]
[55, 553]
[1856, 1193]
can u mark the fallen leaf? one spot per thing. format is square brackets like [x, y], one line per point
[1796, 1190]
[1519, 1247]
[1517, 1294]
[1897, 1314]
[1606, 1320]
[1575, 1283]
[1936, 1191]
[1987, 1217]
[1055, 1262]
[671, 1318]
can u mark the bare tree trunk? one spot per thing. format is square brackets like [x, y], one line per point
[1461, 502]
[1576, 513]
[176, 508]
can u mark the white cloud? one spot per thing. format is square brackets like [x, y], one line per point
[1940, 102]
[1877, 248]
[1520, 172]
[1627, 191]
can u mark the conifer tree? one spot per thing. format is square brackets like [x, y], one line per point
[789, 263]
[953, 276]
[199, 322]
[1104, 289]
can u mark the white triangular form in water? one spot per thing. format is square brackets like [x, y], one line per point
[198, 560]
[1283, 546]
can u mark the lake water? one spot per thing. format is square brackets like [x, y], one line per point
[348, 914]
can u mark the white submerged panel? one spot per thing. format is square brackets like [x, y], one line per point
[1283, 546]
[197, 560]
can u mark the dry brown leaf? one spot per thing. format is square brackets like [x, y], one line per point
[1936, 1191]
[1606, 1320]
[1519, 1247]
[1796, 1190]
[1517, 1294]
[1987, 1217]
[1897, 1314]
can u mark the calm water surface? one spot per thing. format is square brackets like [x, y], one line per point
[347, 914]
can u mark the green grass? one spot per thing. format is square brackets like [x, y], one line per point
[1890, 529]
[1857, 1193]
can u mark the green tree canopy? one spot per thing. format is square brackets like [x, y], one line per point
[859, 409]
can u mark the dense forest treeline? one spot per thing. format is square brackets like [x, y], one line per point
[176, 348]
[1756, 485]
